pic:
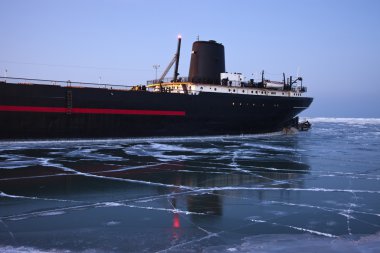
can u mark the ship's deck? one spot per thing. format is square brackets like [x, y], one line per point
[184, 87]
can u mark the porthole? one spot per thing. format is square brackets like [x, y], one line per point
[214, 89]
[256, 92]
[233, 103]
[251, 91]
[201, 88]
[233, 90]
[243, 91]
[229, 90]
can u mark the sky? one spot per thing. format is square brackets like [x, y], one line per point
[333, 44]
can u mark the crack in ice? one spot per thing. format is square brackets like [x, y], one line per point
[296, 228]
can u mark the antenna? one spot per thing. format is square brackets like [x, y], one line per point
[156, 66]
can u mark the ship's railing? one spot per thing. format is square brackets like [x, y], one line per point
[245, 84]
[184, 79]
[301, 89]
[68, 83]
[167, 80]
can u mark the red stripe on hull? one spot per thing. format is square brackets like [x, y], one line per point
[11, 108]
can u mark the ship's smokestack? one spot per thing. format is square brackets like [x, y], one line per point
[207, 62]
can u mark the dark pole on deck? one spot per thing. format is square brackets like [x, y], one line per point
[177, 59]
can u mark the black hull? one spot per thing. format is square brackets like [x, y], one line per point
[47, 111]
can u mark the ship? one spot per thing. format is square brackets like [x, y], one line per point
[210, 101]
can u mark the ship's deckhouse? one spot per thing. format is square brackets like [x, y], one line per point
[195, 89]
[207, 73]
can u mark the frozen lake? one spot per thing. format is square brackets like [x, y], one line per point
[316, 191]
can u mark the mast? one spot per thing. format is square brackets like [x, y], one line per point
[177, 59]
[174, 60]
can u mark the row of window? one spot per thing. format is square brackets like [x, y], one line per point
[257, 92]
[252, 92]
[253, 105]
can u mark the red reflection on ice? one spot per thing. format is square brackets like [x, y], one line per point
[176, 223]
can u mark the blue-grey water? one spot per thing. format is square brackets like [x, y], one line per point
[315, 191]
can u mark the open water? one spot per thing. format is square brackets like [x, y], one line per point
[315, 191]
